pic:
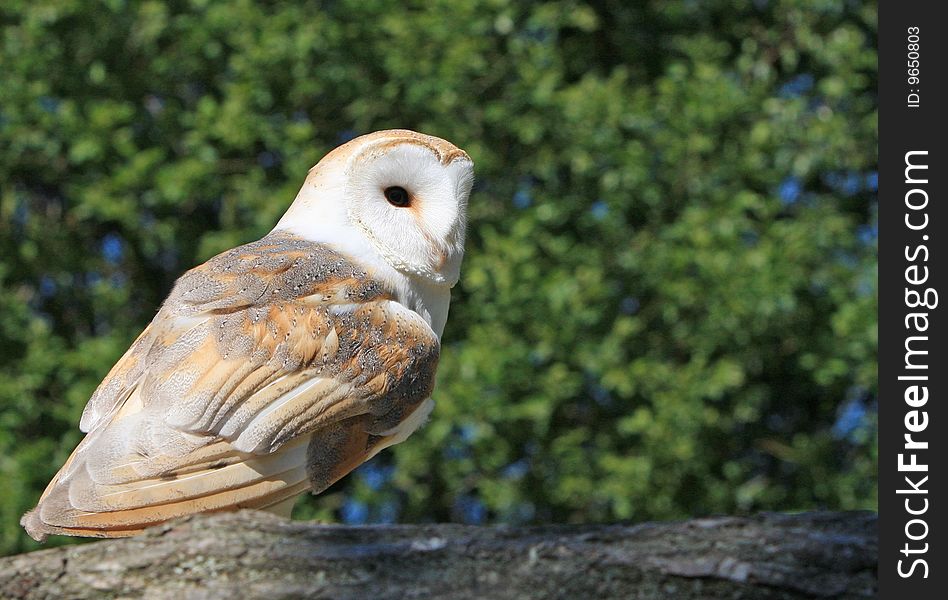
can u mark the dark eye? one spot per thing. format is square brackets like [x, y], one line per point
[397, 196]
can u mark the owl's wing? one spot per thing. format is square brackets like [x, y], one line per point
[270, 369]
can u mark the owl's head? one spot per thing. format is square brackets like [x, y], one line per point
[397, 193]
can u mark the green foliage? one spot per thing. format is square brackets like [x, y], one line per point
[668, 304]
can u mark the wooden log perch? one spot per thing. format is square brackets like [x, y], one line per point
[257, 555]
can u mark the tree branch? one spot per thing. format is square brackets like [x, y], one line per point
[257, 555]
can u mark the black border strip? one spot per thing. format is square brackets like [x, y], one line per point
[913, 385]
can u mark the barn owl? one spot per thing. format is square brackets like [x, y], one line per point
[281, 365]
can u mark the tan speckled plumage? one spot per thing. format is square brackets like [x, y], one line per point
[271, 369]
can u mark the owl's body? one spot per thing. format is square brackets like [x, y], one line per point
[281, 365]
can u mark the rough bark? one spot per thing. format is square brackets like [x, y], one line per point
[257, 555]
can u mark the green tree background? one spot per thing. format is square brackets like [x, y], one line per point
[668, 303]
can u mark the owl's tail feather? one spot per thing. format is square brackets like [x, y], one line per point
[78, 506]
[120, 498]
[37, 529]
